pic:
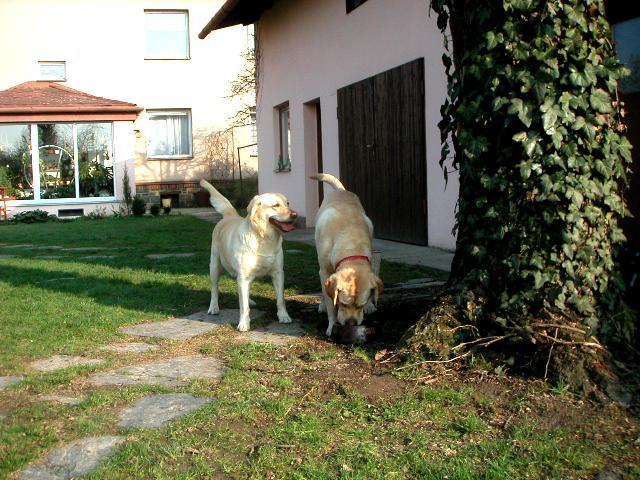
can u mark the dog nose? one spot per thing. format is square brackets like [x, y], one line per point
[352, 321]
[293, 214]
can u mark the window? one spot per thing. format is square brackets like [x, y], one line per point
[353, 4]
[169, 134]
[16, 167]
[627, 38]
[53, 71]
[284, 134]
[70, 160]
[167, 35]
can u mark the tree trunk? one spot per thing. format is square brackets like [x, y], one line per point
[538, 140]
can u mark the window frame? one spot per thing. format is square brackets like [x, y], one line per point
[43, 63]
[35, 164]
[171, 111]
[153, 11]
[281, 165]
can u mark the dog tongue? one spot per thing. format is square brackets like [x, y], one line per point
[283, 227]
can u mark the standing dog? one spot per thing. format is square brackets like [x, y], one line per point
[249, 248]
[343, 242]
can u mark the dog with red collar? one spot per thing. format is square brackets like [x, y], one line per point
[343, 239]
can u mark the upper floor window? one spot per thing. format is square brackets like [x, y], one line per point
[167, 34]
[627, 38]
[169, 134]
[284, 134]
[353, 4]
[53, 71]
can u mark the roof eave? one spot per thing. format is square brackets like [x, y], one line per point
[236, 12]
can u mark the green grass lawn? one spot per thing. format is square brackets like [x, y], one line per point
[316, 410]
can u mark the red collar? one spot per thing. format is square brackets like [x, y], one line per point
[352, 257]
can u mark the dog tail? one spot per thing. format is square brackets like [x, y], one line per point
[330, 179]
[217, 200]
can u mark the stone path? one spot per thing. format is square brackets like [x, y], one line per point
[62, 361]
[184, 328]
[74, 459]
[10, 380]
[84, 455]
[157, 410]
[131, 347]
[160, 256]
[174, 372]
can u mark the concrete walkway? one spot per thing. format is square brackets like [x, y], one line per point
[391, 251]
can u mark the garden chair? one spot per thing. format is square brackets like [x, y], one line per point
[3, 203]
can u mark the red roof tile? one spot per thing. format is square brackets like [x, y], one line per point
[46, 100]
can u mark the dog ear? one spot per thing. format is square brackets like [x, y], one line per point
[255, 216]
[331, 287]
[378, 286]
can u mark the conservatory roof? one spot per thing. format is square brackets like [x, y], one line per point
[50, 101]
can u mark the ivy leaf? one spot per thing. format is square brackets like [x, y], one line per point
[624, 148]
[523, 111]
[520, 137]
[492, 42]
[600, 101]
[549, 119]
[578, 124]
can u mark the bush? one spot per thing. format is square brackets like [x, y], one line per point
[138, 206]
[33, 216]
[155, 209]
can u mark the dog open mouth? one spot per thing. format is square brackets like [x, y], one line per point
[284, 227]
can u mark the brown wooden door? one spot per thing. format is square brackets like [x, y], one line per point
[382, 150]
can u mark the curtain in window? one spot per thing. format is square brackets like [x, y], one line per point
[169, 135]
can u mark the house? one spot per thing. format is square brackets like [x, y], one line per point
[625, 23]
[90, 87]
[353, 88]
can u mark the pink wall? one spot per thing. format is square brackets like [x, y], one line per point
[309, 49]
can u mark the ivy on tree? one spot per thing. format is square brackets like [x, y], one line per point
[536, 129]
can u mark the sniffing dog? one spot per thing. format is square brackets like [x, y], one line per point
[249, 248]
[343, 241]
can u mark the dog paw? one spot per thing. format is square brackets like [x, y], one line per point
[329, 331]
[214, 310]
[284, 318]
[369, 308]
[243, 326]
[322, 308]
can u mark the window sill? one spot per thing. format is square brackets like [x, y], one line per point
[61, 201]
[170, 59]
[174, 157]
[282, 170]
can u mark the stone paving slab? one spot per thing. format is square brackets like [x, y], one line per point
[160, 256]
[183, 328]
[83, 249]
[52, 257]
[91, 257]
[17, 245]
[73, 460]
[132, 347]
[64, 400]
[6, 256]
[58, 362]
[156, 411]
[10, 380]
[276, 334]
[173, 372]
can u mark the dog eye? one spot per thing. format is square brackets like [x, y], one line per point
[276, 205]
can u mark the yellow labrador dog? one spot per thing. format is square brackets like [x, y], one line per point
[249, 248]
[343, 241]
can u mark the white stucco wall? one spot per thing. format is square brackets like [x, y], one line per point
[103, 45]
[309, 49]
